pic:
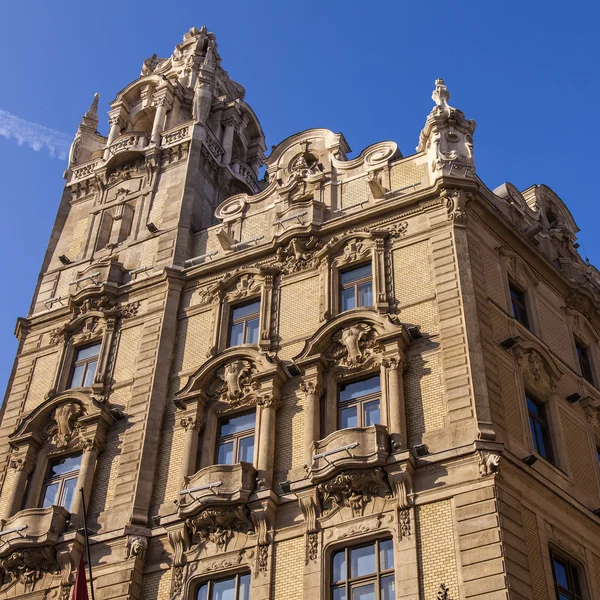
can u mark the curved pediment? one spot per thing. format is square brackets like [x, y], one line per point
[350, 336]
[537, 363]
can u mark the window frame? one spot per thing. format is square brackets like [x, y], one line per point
[586, 368]
[355, 284]
[244, 321]
[75, 363]
[360, 402]
[235, 437]
[522, 304]
[574, 574]
[60, 479]
[544, 423]
[350, 583]
[211, 582]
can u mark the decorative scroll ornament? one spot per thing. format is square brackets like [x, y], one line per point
[354, 345]
[218, 525]
[353, 490]
[64, 427]
[489, 463]
[26, 567]
[245, 286]
[354, 250]
[234, 384]
[298, 255]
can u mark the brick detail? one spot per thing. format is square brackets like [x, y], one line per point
[555, 333]
[511, 401]
[293, 294]
[287, 569]
[355, 191]
[436, 553]
[289, 436]
[42, 379]
[194, 339]
[578, 455]
[127, 353]
[405, 173]
[534, 554]
[77, 239]
[412, 274]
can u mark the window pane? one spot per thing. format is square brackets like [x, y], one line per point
[251, 332]
[246, 449]
[362, 561]
[560, 574]
[68, 493]
[50, 495]
[356, 389]
[243, 310]
[89, 373]
[533, 406]
[203, 592]
[348, 417]
[65, 465]
[387, 588]
[386, 555]
[88, 352]
[237, 424]
[339, 593]
[225, 454]
[371, 413]
[244, 588]
[236, 334]
[339, 566]
[347, 299]
[77, 378]
[365, 294]
[364, 592]
[355, 274]
[224, 590]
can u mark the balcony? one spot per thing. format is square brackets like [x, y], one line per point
[33, 527]
[352, 448]
[134, 141]
[217, 485]
[245, 174]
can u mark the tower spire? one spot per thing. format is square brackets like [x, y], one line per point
[90, 119]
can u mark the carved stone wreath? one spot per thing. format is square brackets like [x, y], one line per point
[353, 345]
[353, 490]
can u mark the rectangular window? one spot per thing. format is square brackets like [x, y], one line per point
[364, 572]
[584, 361]
[84, 366]
[243, 323]
[566, 579]
[356, 287]
[235, 442]
[359, 403]
[233, 588]
[519, 306]
[61, 482]
[540, 430]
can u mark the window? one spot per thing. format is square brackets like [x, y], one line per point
[584, 361]
[540, 430]
[61, 482]
[356, 287]
[566, 579]
[359, 403]
[243, 325]
[519, 306]
[364, 572]
[234, 588]
[84, 366]
[235, 442]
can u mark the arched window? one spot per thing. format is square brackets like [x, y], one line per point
[232, 588]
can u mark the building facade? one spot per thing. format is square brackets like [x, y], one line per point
[364, 378]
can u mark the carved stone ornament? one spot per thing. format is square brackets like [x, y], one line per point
[353, 490]
[443, 592]
[354, 250]
[591, 407]
[234, 385]
[538, 369]
[64, 428]
[298, 255]
[404, 522]
[26, 567]
[136, 547]
[353, 345]
[218, 525]
[456, 205]
[489, 463]
[245, 286]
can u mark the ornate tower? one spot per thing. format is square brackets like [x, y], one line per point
[355, 378]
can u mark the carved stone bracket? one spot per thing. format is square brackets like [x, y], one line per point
[489, 463]
[26, 567]
[456, 205]
[136, 547]
[218, 525]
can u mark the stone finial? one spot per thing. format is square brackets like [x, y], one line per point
[90, 119]
[93, 110]
[440, 95]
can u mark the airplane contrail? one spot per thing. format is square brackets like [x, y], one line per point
[36, 136]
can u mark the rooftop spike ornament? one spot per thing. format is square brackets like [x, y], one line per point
[447, 138]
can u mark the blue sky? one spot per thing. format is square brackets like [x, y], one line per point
[527, 72]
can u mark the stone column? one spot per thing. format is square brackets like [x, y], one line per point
[266, 441]
[159, 119]
[229, 129]
[192, 425]
[85, 480]
[116, 122]
[22, 463]
[395, 396]
[312, 409]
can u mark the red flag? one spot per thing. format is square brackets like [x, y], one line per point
[81, 592]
